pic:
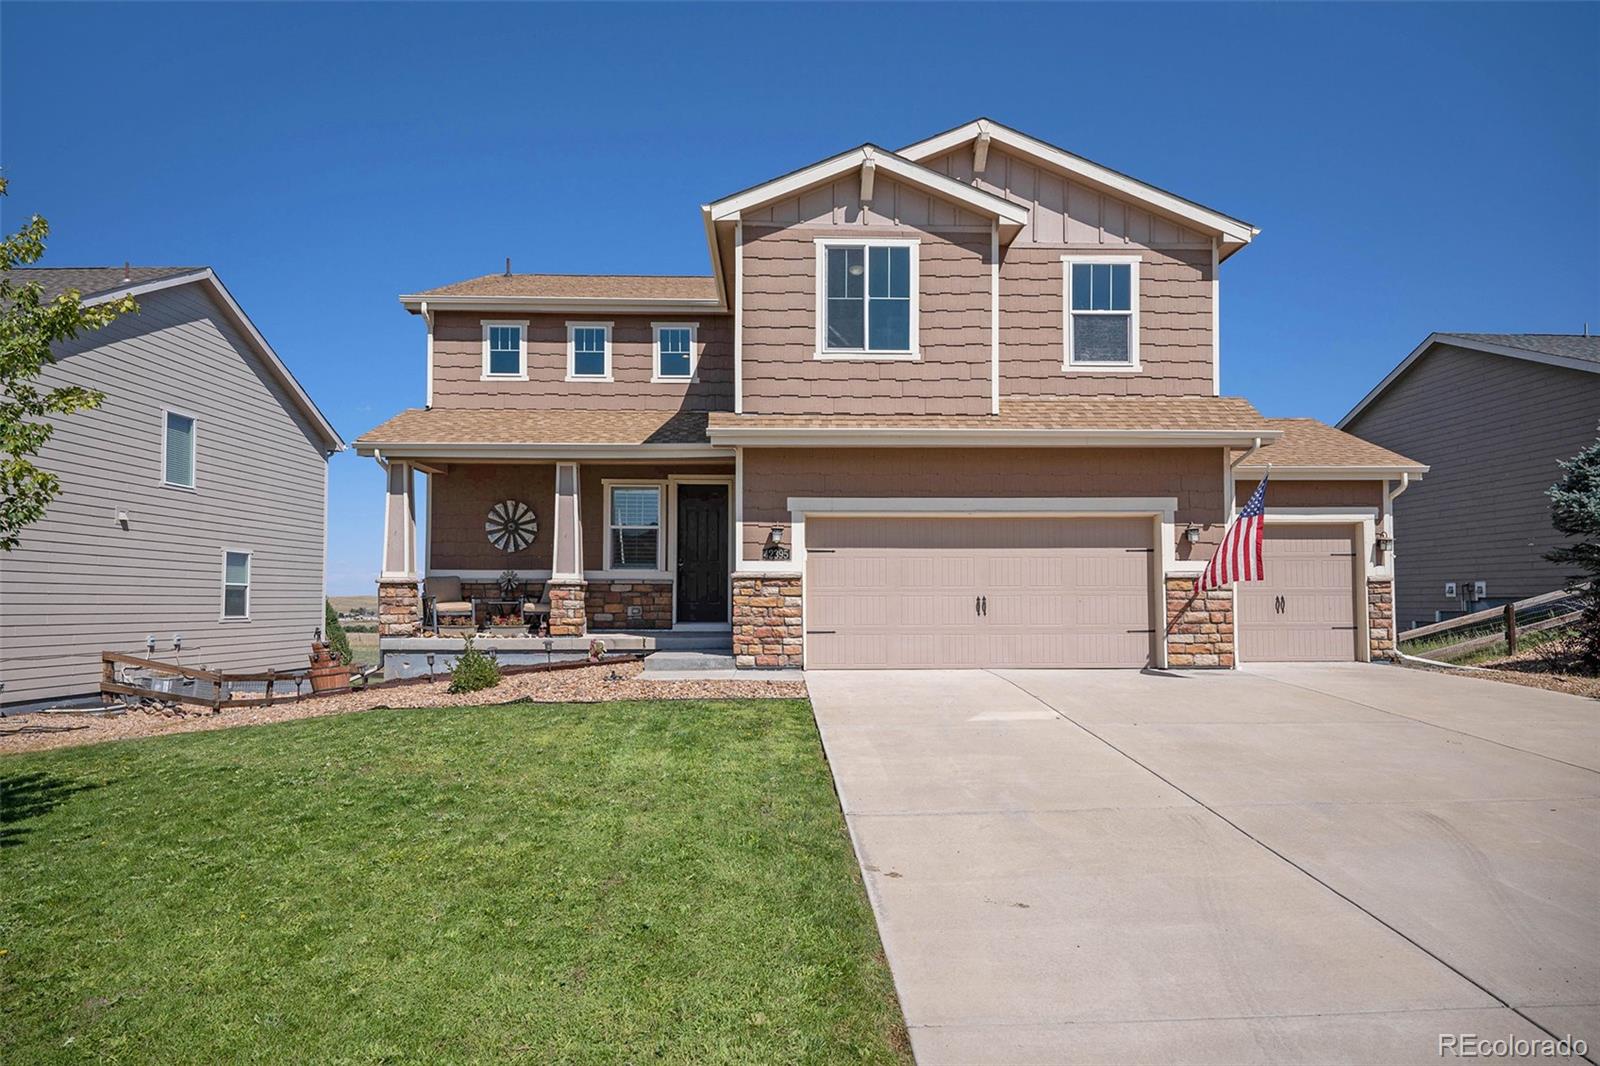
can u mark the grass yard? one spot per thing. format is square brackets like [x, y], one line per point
[607, 882]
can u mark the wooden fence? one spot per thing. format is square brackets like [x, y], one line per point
[219, 682]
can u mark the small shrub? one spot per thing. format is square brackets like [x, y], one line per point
[335, 634]
[473, 670]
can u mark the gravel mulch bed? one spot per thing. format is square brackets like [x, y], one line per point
[1525, 669]
[584, 685]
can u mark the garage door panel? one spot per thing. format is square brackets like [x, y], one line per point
[1305, 608]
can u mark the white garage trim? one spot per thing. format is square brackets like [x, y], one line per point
[1365, 520]
[1162, 511]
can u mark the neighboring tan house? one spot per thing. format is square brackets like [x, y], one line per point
[193, 502]
[1492, 414]
[954, 405]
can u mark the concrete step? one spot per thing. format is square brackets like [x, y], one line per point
[718, 641]
[684, 662]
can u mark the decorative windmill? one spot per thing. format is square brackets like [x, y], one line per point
[511, 526]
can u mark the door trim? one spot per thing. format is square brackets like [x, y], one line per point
[1363, 521]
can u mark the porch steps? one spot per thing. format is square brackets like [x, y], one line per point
[687, 662]
[664, 640]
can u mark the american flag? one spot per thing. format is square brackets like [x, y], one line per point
[1238, 557]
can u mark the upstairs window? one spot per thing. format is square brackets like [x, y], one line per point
[177, 449]
[674, 351]
[588, 351]
[867, 299]
[1102, 313]
[504, 351]
[235, 584]
[634, 528]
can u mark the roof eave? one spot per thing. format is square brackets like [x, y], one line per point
[413, 302]
[534, 450]
[897, 436]
[1306, 472]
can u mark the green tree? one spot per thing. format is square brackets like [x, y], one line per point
[338, 640]
[29, 325]
[1575, 511]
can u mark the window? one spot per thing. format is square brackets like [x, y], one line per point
[504, 350]
[235, 584]
[588, 351]
[177, 464]
[867, 299]
[1102, 313]
[634, 528]
[674, 351]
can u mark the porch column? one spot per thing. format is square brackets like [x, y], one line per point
[568, 615]
[399, 601]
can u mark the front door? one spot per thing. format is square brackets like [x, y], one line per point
[702, 553]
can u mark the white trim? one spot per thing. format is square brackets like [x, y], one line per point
[1456, 341]
[661, 572]
[994, 310]
[249, 585]
[1331, 473]
[903, 437]
[209, 279]
[427, 320]
[491, 451]
[1068, 363]
[427, 523]
[738, 510]
[576, 573]
[562, 304]
[695, 350]
[653, 577]
[485, 374]
[1216, 323]
[738, 316]
[1231, 230]
[729, 207]
[866, 244]
[572, 352]
[194, 451]
[734, 545]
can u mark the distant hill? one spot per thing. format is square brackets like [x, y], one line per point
[349, 604]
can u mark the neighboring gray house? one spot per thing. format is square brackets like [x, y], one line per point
[1491, 414]
[193, 501]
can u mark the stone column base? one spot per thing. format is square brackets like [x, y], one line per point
[767, 630]
[1380, 620]
[1199, 627]
[568, 616]
[399, 608]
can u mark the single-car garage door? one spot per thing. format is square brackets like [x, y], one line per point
[1305, 609]
[977, 592]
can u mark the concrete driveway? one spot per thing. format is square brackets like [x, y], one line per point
[1299, 863]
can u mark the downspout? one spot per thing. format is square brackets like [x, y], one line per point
[1254, 447]
[1405, 483]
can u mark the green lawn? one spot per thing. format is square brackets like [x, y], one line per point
[622, 882]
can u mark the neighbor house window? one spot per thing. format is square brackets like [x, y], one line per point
[588, 351]
[177, 463]
[634, 528]
[504, 350]
[1102, 313]
[867, 299]
[236, 584]
[674, 351]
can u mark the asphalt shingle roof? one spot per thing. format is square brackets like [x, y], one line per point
[93, 281]
[1202, 413]
[1564, 345]
[585, 287]
[501, 426]
[1307, 442]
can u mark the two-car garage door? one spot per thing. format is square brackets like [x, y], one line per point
[944, 592]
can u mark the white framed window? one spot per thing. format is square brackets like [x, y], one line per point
[588, 351]
[235, 585]
[178, 433]
[1102, 313]
[505, 351]
[676, 350]
[634, 527]
[867, 299]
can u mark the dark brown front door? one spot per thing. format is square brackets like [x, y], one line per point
[702, 553]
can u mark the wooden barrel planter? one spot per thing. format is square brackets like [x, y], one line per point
[328, 674]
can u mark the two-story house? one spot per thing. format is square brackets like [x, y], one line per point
[954, 405]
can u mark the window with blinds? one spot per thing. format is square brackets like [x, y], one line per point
[178, 464]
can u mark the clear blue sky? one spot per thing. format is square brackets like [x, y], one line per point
[1412, 168]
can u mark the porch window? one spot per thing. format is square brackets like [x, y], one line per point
[1102, 301]
[588, 351]
[674, 351]
[634, 528]
[505, 353]
[867, 297]
[235, 584]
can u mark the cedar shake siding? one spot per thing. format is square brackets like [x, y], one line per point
[1492, 429]
[459, 506]
[81, 582]
[458, 364]
[780, 371]
[1194, 476]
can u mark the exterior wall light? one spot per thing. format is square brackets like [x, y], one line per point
[775, 535]
[1192, 534]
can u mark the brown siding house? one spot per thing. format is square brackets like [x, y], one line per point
[951, 405]
[1492, 415]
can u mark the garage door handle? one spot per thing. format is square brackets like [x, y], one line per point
[977, 605]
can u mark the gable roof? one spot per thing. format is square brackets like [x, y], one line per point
[655, 292]
[1309, 446]
[1233, 233]
[99, 285]
[1571, 351]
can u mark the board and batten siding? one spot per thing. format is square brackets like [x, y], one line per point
[79, 583]
[1070, 218]
[458, 365]
[1492, 430]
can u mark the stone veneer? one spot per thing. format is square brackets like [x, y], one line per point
[1380, 619]
[399, 609]
[608, 603]
[767, 630]
[567, 614]
[1199, 627]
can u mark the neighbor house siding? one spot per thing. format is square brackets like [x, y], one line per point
[458, 365]
[80, 583]
[1191, 475]
[780, 371]
[1491, 429]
